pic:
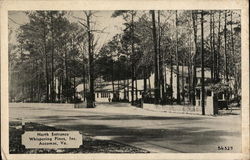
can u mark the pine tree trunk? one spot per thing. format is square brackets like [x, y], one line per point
[32, 86]
[66, 75]
[118, 82]
[202, 68]
[127, 76]
[165, 81]
[225, 47]
[189, 70]
[149, 86]
[91, 95]
[132, 60]
[226, 56]
[211, 44]
[171, 79]
[112, 79]
[156, 80]
[133, 87]
[74, 89]
[214, 52]
[144, 81]
[59, 88]
[52, 90]
[136, 90]
[232, 51]
[124, 89]
[218, 52]
[83, 78]
[118, 88]
[161, 61]
[46, 61]
[182, 82]
[177, 61]
[128, 89]
[189, 80]
[194, 17]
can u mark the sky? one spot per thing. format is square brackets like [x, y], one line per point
[104, 22]
[110, 26]
[103, 19]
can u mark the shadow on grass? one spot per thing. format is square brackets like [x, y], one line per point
[120, 117]
[89, 145]
[181, 136]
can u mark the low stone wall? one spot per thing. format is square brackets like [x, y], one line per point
[41, 104]
[184, 109]
[80, 105]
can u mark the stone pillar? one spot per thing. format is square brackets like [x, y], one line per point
[211, 107]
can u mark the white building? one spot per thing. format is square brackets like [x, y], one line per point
[104, 89]
[183, 77]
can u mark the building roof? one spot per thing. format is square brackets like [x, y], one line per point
[102, 85]
[107, 86]
[207, 71]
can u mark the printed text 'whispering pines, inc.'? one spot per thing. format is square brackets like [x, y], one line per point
[52, 139]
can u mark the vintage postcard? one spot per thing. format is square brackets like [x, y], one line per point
[125, 79]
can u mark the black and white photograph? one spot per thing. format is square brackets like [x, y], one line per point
[125, 81]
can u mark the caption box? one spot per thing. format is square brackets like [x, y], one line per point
[52, 139]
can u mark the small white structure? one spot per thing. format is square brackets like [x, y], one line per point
[211, 103]
[214, 98]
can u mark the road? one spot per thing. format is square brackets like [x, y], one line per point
[154, 131]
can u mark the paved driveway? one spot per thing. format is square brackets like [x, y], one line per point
[154, 131]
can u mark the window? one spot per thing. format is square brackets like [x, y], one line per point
[198, 94]
[209, 93]
[97, 95]
[220, 96]
[105, 94]
[198, 80]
